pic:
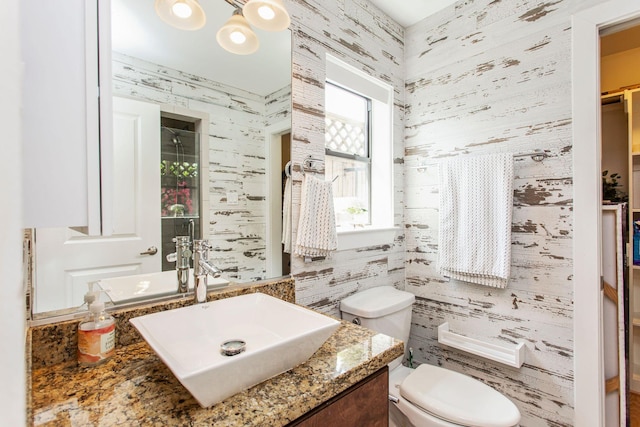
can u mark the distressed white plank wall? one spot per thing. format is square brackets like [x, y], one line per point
[236, 154]
[490, 76]
[278, 106]
[361, 35]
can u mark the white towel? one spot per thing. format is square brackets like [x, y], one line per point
[317, 224]
[476, 203]
[286, 216]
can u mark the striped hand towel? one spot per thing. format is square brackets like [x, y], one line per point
[476, 203]
[316, 234]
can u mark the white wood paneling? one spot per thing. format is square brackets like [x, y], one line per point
[358, 33]
[485, 77]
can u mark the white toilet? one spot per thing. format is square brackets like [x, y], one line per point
[428, 396]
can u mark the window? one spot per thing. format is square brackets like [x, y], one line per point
[347, 149]
[359, 153]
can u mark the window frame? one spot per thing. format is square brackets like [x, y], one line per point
[382, 229]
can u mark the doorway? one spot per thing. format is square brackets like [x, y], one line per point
[179, 184]
[619, 83]
[278, 153]
[184, 177]
[588, 344]
[67, 261]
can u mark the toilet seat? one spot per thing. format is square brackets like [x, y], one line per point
[458, 398]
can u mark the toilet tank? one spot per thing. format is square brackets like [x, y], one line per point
[384, 309]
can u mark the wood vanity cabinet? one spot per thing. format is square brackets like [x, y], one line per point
[363, 404]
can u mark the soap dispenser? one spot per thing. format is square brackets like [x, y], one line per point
[96, 335]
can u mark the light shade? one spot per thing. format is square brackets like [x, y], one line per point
[269, 15]
[175, 13]
[236, 36]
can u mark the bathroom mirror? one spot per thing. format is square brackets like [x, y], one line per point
[241, 106]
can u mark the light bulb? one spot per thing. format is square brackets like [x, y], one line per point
[181, 9]
[237, 37]
[182, 14]
[266, 12]
[268, 15]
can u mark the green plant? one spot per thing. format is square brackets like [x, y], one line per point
[355, 210]
[610, 188]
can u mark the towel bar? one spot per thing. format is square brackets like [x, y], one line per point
[536, 156]
[309, 165]
[512, 355]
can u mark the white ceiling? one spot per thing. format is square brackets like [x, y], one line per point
[138, 31]
[409, 12]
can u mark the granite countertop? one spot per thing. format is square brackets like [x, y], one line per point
[135, 388]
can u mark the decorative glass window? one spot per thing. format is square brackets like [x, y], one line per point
[347, 154]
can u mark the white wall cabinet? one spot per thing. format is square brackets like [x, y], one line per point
[61, 114]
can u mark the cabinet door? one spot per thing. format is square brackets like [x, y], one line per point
[364, 404]
[61, 175]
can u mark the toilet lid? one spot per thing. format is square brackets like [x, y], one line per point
[376, 302]
[458, 398]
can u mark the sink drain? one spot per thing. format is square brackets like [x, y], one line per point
[232, 347]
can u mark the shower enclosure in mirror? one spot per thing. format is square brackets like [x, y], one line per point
[179, 185]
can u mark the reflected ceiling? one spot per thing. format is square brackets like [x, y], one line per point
[144, 35]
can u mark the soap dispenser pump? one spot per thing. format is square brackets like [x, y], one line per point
[96, 334]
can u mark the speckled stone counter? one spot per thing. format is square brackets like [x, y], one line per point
[56, 343]
[136, 388]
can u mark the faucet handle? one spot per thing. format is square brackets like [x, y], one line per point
[201, 245]
[181, 240]
[172, 257]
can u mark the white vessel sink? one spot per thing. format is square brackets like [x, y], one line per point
[278, 335]
[141, 286]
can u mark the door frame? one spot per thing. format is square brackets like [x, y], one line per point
[585, 78]
[273, 243]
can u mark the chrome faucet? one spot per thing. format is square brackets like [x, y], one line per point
[181, 257]
[201, 268]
